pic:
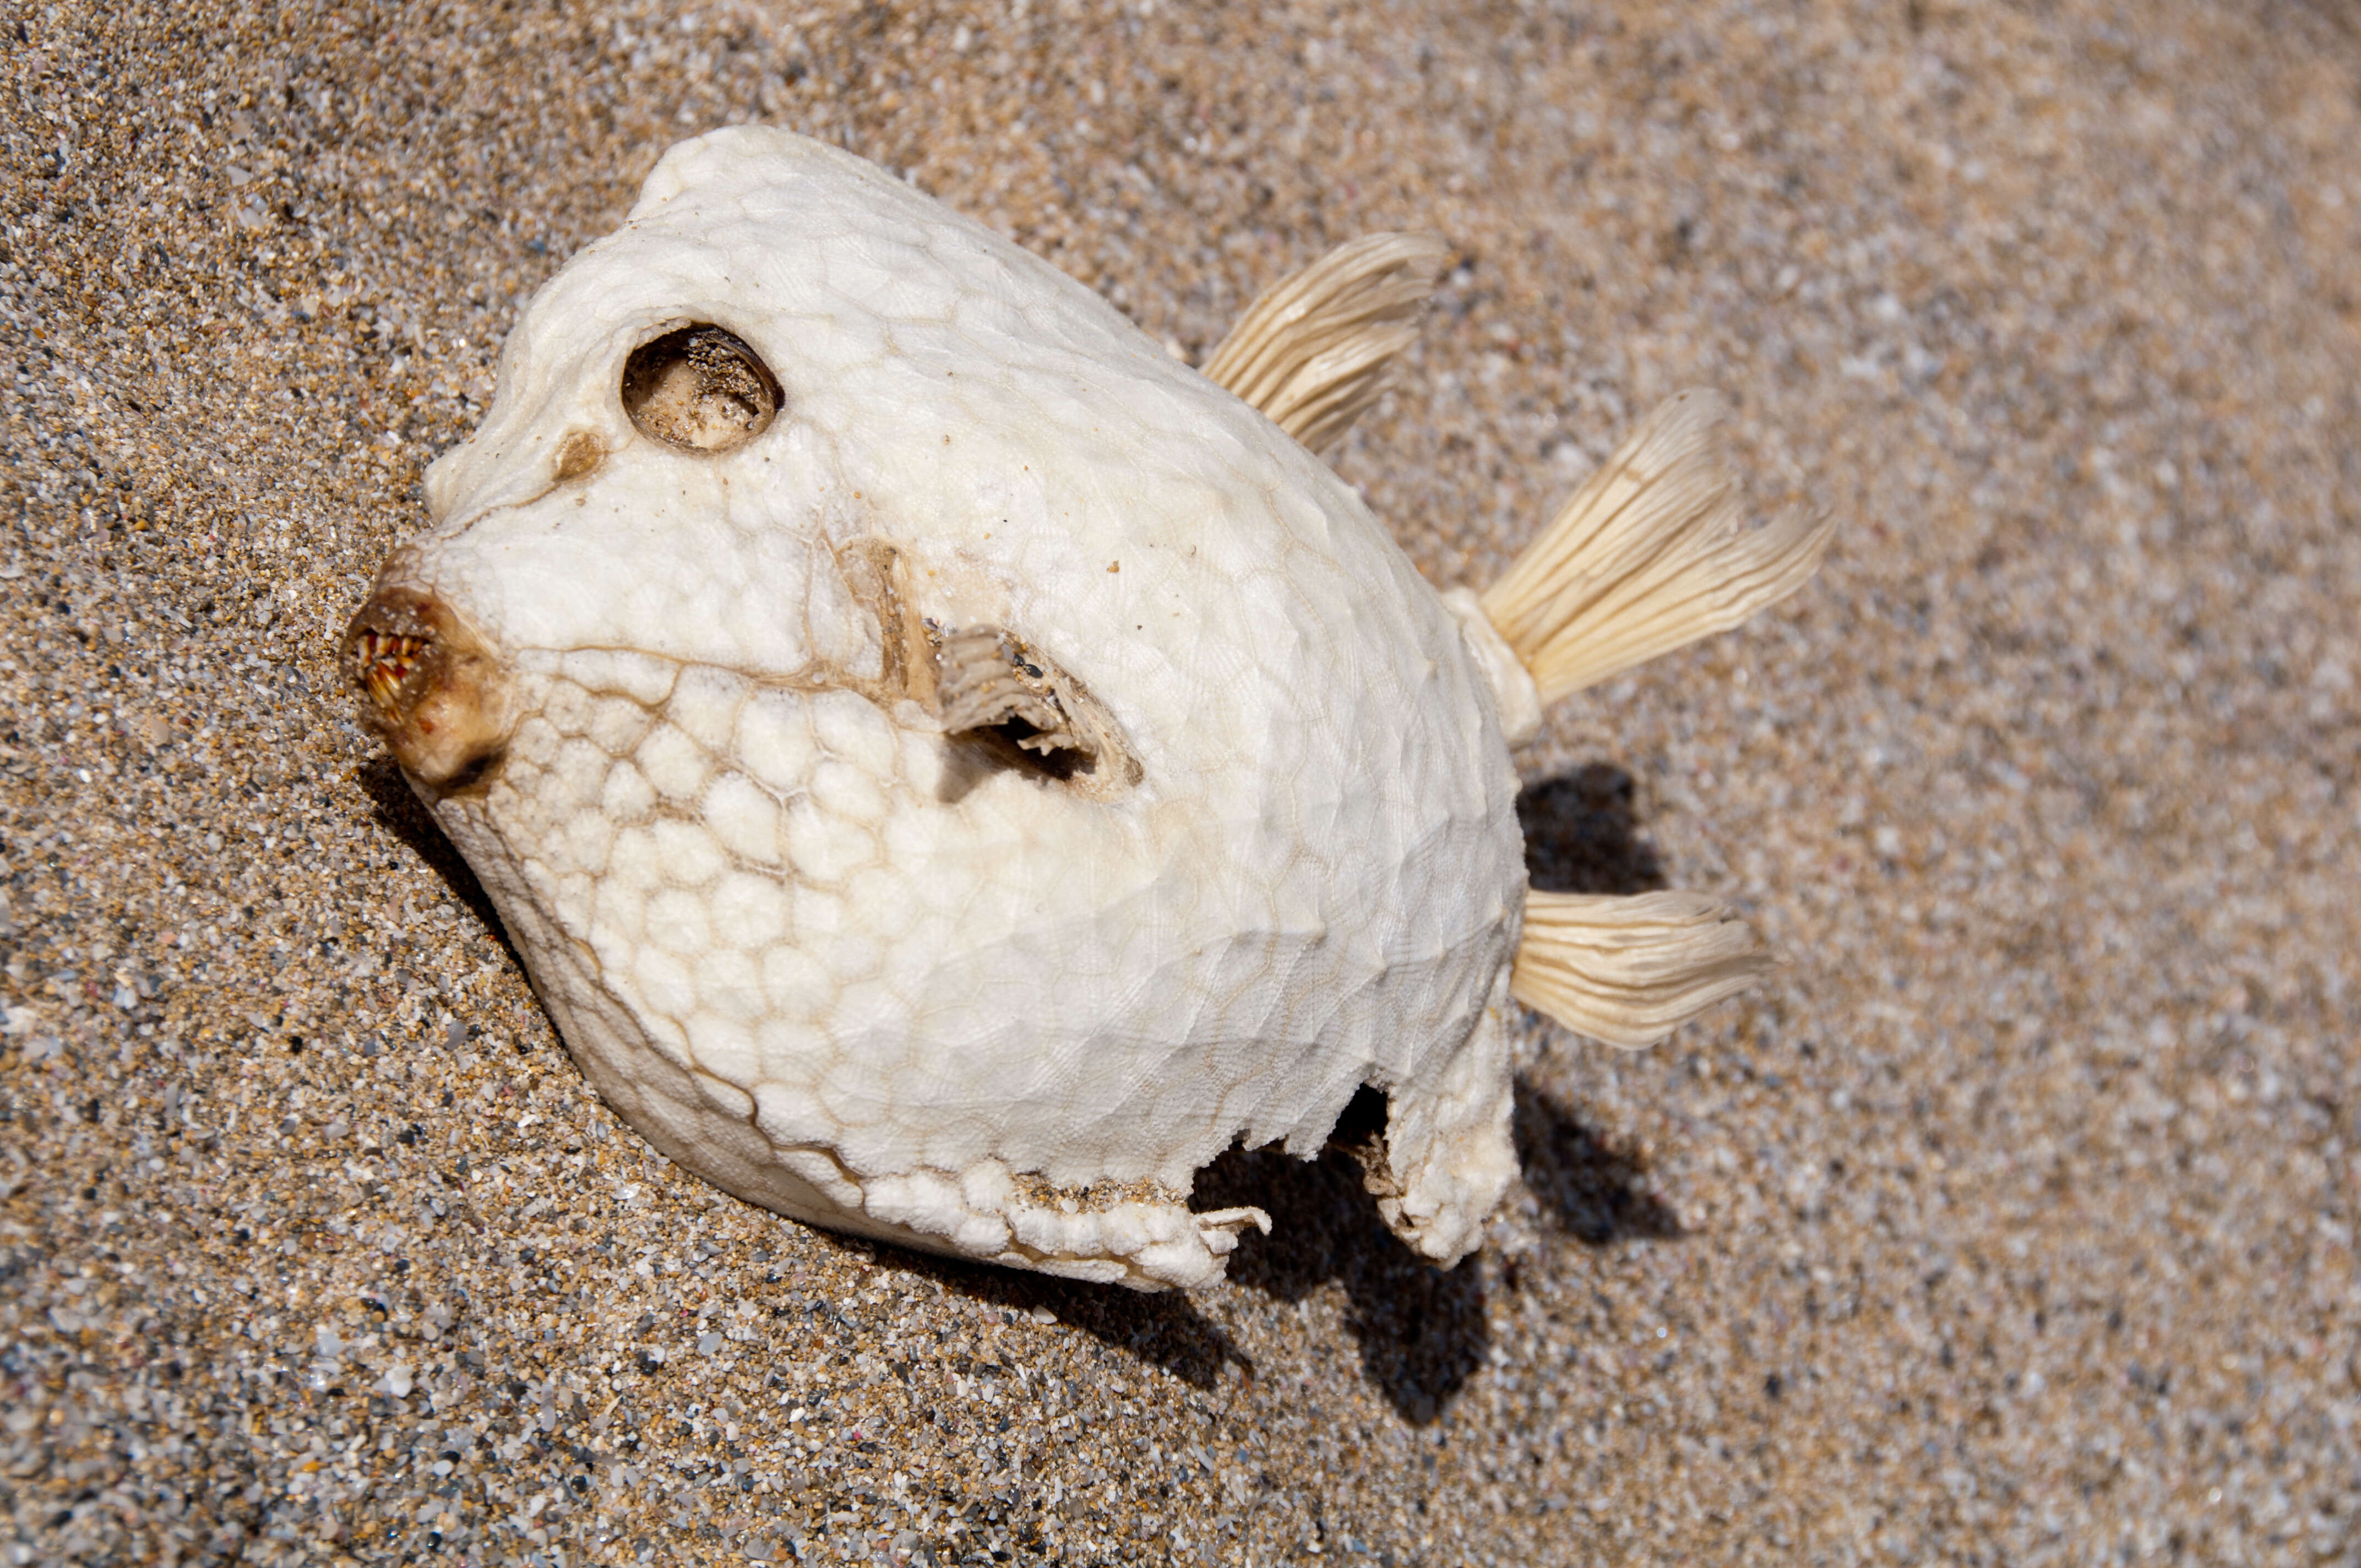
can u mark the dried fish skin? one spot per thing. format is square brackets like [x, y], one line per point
[896, 979]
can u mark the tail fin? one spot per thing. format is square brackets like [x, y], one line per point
[1628, 970]
[1651, 554]
[1312, 352]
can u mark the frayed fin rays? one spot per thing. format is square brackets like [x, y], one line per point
[1651, 554]
[1314, 351]
[1628, 970]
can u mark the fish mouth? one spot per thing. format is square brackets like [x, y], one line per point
[431, 686]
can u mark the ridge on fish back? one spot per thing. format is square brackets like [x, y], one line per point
[952, 769]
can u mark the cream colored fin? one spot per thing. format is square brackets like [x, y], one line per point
[1628, 970]
[1652, 552]
[1313, 352]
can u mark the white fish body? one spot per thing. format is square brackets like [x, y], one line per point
[731, 716]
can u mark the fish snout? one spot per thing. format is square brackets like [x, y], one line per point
[431, 686]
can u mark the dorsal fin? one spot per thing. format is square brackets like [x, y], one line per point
[1313, 352]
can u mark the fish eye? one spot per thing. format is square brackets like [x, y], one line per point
[701, 388]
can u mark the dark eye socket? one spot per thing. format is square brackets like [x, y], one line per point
[700, 389]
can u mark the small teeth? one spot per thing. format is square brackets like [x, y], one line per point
[385, 662]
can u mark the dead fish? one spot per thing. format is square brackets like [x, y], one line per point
[950, 770]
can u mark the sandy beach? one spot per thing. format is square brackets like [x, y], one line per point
[2011, 1223]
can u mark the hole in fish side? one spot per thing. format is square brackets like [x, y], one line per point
[998, 690]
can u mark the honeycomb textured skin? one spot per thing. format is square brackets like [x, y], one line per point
[887, 979]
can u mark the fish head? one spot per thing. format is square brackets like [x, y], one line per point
[642, 482]
[794, 421]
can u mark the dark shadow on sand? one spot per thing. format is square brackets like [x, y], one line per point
[1589, 1189]
[1164, 1330]
[400, 813]
[1583, 835]
[1421, 1328]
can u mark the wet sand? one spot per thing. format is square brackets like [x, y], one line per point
[2012, 1223]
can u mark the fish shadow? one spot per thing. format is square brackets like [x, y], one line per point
[1583, 834]
[1586, 1187]
[1420, 1329]
[401, 813]
[1163, 1330]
